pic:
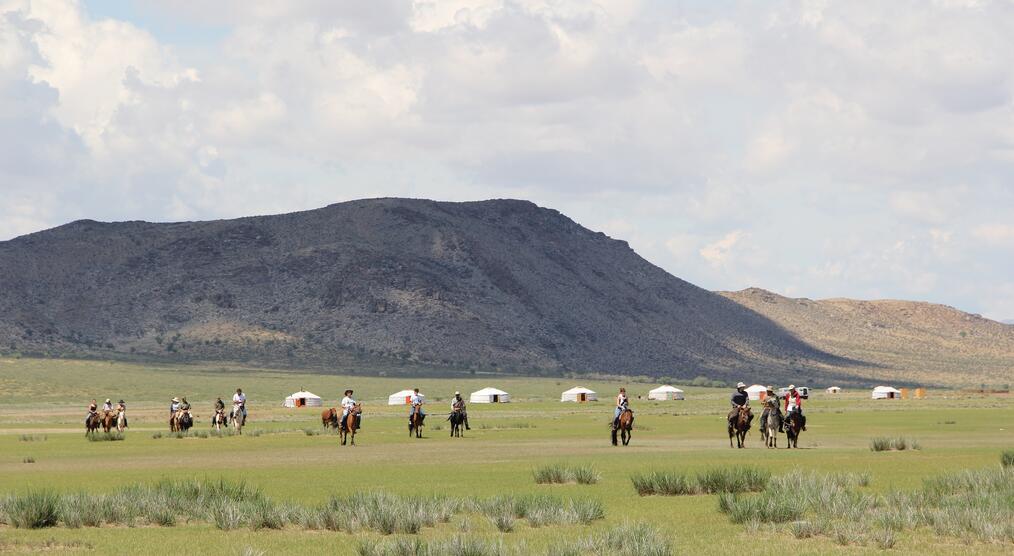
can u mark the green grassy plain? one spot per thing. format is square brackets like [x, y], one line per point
[47, 399]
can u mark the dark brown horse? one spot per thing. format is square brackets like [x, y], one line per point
[329, 418]
[739, 424]
[793, 426]
[93, 423]
[351, 424]
[457, 419]
[415, 423]
[625, 426]
[108, 420]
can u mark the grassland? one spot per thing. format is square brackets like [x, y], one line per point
[42, 406]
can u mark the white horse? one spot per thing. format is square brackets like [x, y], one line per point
[237, 418]
[121, 420]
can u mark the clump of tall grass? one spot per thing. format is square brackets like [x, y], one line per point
[33, 510]
[887, 444]
[28, 459]
[767, 508]
[561, 474]
[32, 438]
[1007, 458]
[460, 545]
[540, 510]
[627, 539]
[110, 436]
[712, 481]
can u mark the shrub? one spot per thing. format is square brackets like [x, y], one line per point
[770, 507]
[34, 510]
[712, 481]
[560, 474]
[884, 444]
[226, 516]
[1007, 458]
[32, 438]
[627, 539]
[110, 436]
[504, 522]
[28, 459]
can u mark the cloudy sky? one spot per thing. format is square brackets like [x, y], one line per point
[818, 149]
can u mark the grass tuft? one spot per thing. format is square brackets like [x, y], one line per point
[561, 474]
[712, 481]
[1007, 458]
[111, 436]
[897, 444]
[33, 510]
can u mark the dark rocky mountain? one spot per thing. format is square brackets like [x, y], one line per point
[380, 284]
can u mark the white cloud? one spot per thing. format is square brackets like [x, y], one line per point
[995, 234]
[719, 253]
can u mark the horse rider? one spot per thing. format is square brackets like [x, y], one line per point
[219, 410]
[770, 406]
[239, 404]
[739, 400]
[184, 405]
[92, 409]
[416, 403]
[108, 406]
[121, 407]
[348, 403]
[458, 406]
[622, 404]
[794, 404]
[174, 406]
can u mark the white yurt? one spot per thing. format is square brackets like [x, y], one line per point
[757, 392]
[489, 395]
[402, 398]
[834, 390]
[579, 394]
[886, 393]
[303, 399]
[665, 392]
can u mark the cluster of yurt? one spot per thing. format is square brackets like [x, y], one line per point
[303, 399]
[886, 393]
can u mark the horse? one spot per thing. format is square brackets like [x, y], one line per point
[93, 423]
[329, 418]
[625, 427]
[184, 421]
[415, 423]
[236, 419]
[793, 426]
[121, 420]
[770, 427]
[219, 420]
[351, 424]
[457, 419]
[108, 421]
[739, 426]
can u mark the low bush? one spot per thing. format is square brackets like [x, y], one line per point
[712, 481]
[561, 474]
[110, 436]
[886, 444]
[1007, 458]
[32, 438]
[28, 459]
[33, 510]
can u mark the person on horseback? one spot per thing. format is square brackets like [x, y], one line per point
[348, 404]
[739, 399]
[794, 404]
[770, 406]
[174, 406]
[184, 405]
[622, 404]
[416, 402]
[92, 409]
[108, 406]
[458, 406]
[239, 404]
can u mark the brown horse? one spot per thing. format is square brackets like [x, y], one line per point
[93, 423]
[793, 426]
[329, 418]
[625, 426]
[415, 423]
[351, 424]
[108, 421]
[739, 424]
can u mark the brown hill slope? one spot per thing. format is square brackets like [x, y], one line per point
[921, 343]
[381, 284]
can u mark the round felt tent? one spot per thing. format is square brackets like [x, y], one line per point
[489, 395]
[402, 398]
[303, 399]
[757, 392]
[666, 392]
[834, 390]
[886, 393]
[579, 394]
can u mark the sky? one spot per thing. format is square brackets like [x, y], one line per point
[816, 149]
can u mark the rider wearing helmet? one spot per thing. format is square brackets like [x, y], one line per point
[458, 406]
[794, 404]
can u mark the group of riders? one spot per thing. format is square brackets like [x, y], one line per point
[773, 404]
[117, 414]
[416, 400]
[181, 420]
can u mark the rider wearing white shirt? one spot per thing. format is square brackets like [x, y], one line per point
[458, 404]
[239, 404]
[416, 401]
[348, 404]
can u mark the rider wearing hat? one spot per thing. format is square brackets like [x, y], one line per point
[739, 399]
[458, 405]
[348, 403]
[416, 401]
[108, 406]
[121, 407]
[174, 406]
[794, 404]
[770, 405]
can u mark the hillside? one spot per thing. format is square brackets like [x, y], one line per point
[918, 342]
[383, 284]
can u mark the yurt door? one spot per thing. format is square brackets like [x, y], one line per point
[496, 398]
[300, 402]
[582, 397]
